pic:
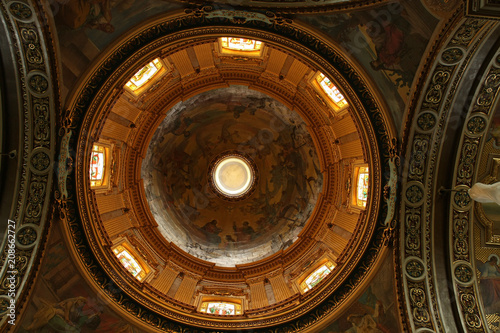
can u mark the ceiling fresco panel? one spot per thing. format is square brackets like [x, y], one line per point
[388, 41]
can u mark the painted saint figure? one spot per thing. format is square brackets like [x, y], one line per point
[65, 316]
[244, 233]
[211, 231]
[489, 283]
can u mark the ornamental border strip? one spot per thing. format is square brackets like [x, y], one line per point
[196, 20]
[428, 124]
[37, 107]
[461, 222]
[309, 9]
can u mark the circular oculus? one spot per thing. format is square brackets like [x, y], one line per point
[233, 176]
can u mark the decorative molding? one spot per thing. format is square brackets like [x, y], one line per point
[30, 43]
[432, 112]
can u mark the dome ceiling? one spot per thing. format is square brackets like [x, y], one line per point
[191, 243]
[176, 175]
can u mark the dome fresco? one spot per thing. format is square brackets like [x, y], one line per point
[176, 176]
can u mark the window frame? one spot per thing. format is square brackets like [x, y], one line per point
[165, 68]
[237, 301]
[125, 244]
[325, 261]
[108, 162]
[322, 93]
[238, 308]
[357, 168]
[242, 53]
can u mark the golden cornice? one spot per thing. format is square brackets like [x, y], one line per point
[302, 7]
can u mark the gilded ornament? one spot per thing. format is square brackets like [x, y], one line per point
[414, 268]
[26, 236]
[461, 223]
[463, 273]
[467, 31]
[29, 35]
[426, 121]
[7, 282]
[4, 303]
[38, 84]
[419, 156]
[440, 90]
[414, 194]
[33, 55]
[467, 161]
[20, 11]
[452, 55]
[412, 224]
[41, 120]
[40, 161]
[491, 85]
[419, 303]
[462, 198]
[35, 199]
[31, 189]
[476, 125]
[460, 235]
[435, 93]
[468, 301]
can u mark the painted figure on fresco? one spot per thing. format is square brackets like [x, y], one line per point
[489, 283]
[494, 130]
[66, 316]
[93, 14]
[371, 313]
[244, 233]
[393, 48]
[211, 231]
[365, 323]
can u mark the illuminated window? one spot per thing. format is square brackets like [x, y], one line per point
[144, 75]
[240, 44]
[331, 90]
[221, 308]
[97, 165]
[129, 262]
[317, 276]
[362, 186]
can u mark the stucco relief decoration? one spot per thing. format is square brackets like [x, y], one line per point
[452, 55]
[441, 83]
[28, 46]
[20, 10]
[426, 121]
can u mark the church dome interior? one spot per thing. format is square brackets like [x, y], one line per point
[249, 166]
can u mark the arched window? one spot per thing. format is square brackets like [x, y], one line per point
[130, 262]
[144, 75]
[100, 166]
[317, 276]
[331, 91]
[361, 190]
[221, 308]
[240, 44]
[99, 161]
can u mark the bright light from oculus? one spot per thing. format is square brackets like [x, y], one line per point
[233, 176]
